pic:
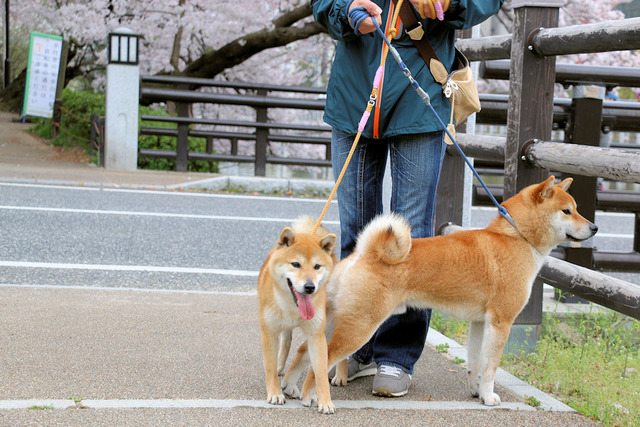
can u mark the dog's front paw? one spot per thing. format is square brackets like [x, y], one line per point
[326, 408]
[291, 390]
[276, 399]
[490, 399]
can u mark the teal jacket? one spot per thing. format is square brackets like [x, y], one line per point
[398, 110]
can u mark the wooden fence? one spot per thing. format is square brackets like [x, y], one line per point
[528, 154]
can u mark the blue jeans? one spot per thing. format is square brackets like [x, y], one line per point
[415, 169]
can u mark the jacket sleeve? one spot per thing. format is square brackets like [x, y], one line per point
[467, 13]
[332, 15]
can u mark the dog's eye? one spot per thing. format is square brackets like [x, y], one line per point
[317, 267]
[566, 211]
[295, 264]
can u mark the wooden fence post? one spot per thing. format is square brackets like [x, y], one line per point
[584, 128]
[182, 144]
[530, 116]
[262, 139]
[450, 205]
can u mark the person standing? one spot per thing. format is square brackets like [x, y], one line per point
[400, 130]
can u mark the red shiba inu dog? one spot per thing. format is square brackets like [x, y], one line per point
[484, 276]
[291, 293]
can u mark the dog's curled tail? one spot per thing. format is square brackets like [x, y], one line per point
[305, 224]
[388, 237]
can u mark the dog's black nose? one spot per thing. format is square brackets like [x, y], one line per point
[593, 228]
[309, 287]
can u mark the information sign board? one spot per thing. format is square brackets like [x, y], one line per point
[43, 67]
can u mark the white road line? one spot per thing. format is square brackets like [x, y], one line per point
[233, 403]
[142, 268]
[154, 214]
[142, 290]
[208, 217]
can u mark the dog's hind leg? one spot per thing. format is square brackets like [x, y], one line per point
[284, 345]
[493, 341]
[473, 356]
[298, 365]
[344, 341]
[342, 373]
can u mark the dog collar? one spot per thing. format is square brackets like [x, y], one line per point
[503, 212]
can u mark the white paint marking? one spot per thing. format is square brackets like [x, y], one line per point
[154, 214]
[143, 268]
[232, 403]
[143, 290]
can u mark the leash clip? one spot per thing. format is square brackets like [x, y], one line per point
[416, 33]
[450, 86]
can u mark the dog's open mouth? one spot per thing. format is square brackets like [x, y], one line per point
[303, 302]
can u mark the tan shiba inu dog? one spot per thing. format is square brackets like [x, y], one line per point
[484, 276]
[291, 293]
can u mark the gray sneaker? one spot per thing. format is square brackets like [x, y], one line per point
[355, 369]
[391, 382]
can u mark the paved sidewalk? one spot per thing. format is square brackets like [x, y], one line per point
[97, 356]
[91, 356]
[26, 159]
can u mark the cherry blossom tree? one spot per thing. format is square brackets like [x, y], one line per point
[271, 41]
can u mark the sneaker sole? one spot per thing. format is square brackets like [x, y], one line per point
[364, 373]
[385, 392]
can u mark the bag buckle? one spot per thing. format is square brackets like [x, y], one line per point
[416, 33]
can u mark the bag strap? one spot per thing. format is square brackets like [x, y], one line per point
[414, 29]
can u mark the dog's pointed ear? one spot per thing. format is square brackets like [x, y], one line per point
[286, 238]
[546, 187]
[328, 242]
[566, 184]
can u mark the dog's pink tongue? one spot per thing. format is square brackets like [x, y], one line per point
[305, 306]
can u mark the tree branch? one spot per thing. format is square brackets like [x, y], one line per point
[293, 16]
[212, 63]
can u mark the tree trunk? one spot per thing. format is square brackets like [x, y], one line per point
[11, 97]
[213, 63]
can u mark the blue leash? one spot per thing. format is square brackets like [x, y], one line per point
[357, 16]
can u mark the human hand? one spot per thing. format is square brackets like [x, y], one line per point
[432, 9]
[373, 9]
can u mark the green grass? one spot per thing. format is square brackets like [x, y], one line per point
[458, 360]
[40, 407]
[532, 401]
[590, 362]
[443, 348]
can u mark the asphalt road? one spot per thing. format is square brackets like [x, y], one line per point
[108, 237]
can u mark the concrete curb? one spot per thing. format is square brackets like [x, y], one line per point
[243, 184]
[289, 187]
[504, 378]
